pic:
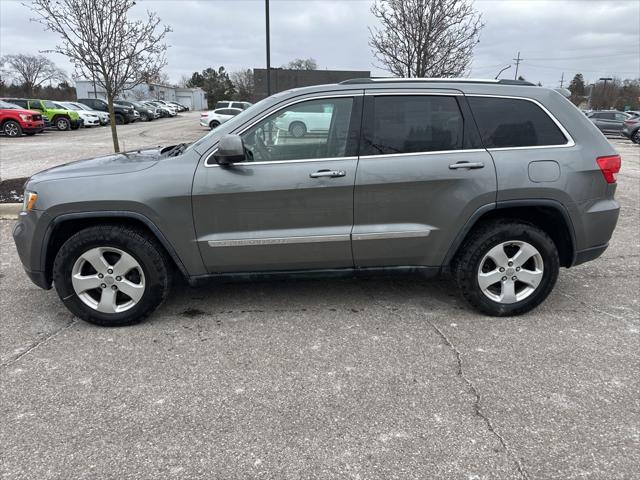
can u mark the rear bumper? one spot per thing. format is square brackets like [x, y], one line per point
[589, 254]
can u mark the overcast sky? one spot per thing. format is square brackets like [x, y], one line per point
[595, 37]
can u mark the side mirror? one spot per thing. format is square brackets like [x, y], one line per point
[230, 150]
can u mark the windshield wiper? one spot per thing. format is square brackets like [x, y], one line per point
[177, 150]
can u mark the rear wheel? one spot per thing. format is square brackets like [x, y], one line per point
[214, 124]
[635, 138]
[110, 275]
[119, 119]
[298, 129]
[62, 123]
[507, 268]
[11, 128]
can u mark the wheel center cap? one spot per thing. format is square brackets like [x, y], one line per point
[510, 271]
[109, 280]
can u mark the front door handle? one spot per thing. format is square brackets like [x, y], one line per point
[467, 165]
[328, 173]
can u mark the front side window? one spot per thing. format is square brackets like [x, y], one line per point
[510, 122]
[312, 129]
[412, 124]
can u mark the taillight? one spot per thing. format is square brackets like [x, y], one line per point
[610, 166]
[631, 121]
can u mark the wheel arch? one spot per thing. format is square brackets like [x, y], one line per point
[66, 225]
[548, 215]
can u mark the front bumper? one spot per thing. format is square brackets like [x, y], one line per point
[29, 235]
[77, 123]
[92, 122]
[33, 127]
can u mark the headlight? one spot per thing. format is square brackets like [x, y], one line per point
[25, 117]
[29, 201]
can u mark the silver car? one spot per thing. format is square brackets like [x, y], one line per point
[496, 183]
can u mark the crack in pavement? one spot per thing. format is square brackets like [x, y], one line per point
[472, 388]
[40, 342]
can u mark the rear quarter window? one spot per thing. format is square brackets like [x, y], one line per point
[509, 122]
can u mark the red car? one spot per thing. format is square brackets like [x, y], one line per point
[14, 121]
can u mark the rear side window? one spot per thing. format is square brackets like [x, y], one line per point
[237, 105]
[508, 122]
[412, 124]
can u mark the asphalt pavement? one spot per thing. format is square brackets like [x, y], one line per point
[384, 378]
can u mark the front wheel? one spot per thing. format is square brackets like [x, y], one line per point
[11, 128]
[111, 275]
[62, 123]
[507, 268]
[635, 138]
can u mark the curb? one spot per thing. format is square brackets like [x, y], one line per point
[10, 211]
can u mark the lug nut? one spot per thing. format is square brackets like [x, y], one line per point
[510, 264]
[118, 279]
[504, 279]
[104, 285]
[109, 271]
[517, 269]
[514, 278]
[113, 287]
[100, 275]
[502, 269]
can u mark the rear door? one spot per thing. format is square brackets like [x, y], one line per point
[289, 206]
[422, 173]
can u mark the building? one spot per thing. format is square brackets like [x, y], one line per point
[194, 98]
[285, 79]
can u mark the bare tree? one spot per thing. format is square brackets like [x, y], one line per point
[104, 44]
[243, 81]
[32, 70]
[302, 64]
[425, 38]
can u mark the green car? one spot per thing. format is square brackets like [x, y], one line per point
[53, 116]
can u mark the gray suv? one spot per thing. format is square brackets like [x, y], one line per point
[497, 183]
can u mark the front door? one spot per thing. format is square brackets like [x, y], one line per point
[289, 205]
[422, 174]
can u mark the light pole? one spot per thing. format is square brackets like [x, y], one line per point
[604, 87]
[500, 72]
[266, 13]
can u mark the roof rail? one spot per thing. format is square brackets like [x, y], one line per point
[355, 81]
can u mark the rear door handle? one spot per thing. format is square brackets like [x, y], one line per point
[328, 173]
[467, 165]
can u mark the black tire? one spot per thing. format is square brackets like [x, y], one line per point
[483, 239]
[214, 124]
[11, 128]
[119, 119]
[635, 138]
[76, 126]
[144, 249]
[297, 129]
[62, 123]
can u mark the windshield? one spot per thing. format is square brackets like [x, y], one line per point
[8, 106]
[81, 106]
[49, 104]
[233, 122]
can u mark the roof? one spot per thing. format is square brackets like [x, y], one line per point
[503, 81]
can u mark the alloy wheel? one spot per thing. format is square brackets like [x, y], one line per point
[510, 272]
[108, 280]
[11, 129]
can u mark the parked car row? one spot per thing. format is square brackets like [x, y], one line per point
[614, 122]
[24, 116]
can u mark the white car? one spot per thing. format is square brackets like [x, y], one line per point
[214, 118]
[81, 107]
[89, 119]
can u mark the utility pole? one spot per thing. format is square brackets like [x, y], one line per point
[604, 89]
[266, 12]
[517, 60]
[562, 80]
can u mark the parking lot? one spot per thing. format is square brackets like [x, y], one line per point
[52, 147]
[384, 378]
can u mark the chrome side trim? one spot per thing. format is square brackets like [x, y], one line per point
[390, 235]
[435, 152]
[276, 162]
[249, 242]
[382, 93]
[570, 141]
[277, 108]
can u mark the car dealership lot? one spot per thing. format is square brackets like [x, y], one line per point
[24, 156]
[381, 378]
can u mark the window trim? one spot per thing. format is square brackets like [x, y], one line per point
[570, 142]
[268, 113]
